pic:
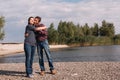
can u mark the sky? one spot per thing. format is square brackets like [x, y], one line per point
[16, 13]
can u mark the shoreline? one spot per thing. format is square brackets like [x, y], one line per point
[11, 48]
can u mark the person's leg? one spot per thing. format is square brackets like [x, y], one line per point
[33, 48]
[27, 49]
[40, 55]
[48, 54]
[41, 60]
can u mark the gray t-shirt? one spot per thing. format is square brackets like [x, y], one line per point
[30, 39]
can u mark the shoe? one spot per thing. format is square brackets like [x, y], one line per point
[42, 73]
[33, 73]
[53, 71]
[30, 76]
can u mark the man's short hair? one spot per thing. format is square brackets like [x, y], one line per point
[39, 18]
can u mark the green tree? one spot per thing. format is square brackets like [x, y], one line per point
[70, 32]
[95, 30]
[52, 34]
[86, 29]
[2, 22]
[111, 29]
[107, 29]
[103, 28]
[116, 39]
[62, 29]
[78, 33]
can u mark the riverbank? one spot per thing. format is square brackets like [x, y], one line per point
[65, 71]
[13, 48]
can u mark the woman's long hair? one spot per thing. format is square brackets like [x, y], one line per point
[29, 19]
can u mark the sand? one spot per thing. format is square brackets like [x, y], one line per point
[18, 48]
[10, 48]
[65, 71]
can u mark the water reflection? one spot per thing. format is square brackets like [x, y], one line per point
[76, 54]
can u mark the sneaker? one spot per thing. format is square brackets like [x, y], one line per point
[53, 72]
[30, 76]
[42, 73]
[33, 73]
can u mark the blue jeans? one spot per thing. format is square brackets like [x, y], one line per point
[43, 45]
[29, 55]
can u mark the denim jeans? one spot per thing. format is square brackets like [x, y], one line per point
[29, 55]
[43, 45]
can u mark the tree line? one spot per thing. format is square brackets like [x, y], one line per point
[2, 22]
[81, 35]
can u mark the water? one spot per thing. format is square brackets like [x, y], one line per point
[76, 54]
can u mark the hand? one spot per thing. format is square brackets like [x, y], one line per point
[26, 34]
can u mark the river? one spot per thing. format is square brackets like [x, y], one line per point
[74, 54]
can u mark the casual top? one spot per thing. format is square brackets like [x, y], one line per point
[30, 39]
[42, 34]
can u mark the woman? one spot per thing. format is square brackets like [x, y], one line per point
[30, 45]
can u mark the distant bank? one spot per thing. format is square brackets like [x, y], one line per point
[12, 48]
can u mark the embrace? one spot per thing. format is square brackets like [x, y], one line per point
[36, 37]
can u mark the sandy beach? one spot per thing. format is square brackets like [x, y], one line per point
[13, 48]
[65, 71]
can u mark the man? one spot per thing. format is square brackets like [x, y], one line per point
[42, 43]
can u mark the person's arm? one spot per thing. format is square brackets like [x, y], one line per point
[40, 28]
[37, 28]
[26, 32]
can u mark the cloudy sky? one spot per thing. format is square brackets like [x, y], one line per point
[16, 13]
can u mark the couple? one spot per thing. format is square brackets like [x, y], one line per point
[36, 35]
